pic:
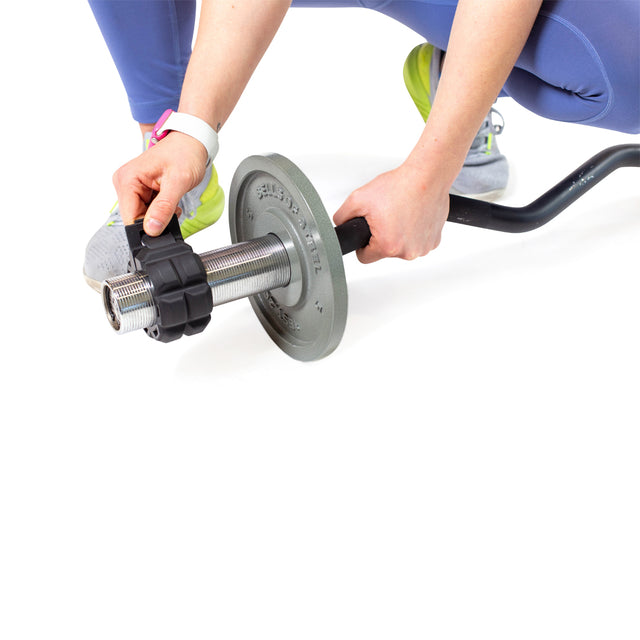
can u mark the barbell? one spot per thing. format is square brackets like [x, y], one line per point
[286, 256]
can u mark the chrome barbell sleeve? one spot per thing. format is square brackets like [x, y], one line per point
[233, 272]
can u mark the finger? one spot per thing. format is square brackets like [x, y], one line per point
[347, 211]
[341, 216]
[163, 207]
[371, 253]
[133, 197]
[131, 207]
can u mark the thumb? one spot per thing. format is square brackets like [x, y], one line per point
[163, 206]
[345, 212]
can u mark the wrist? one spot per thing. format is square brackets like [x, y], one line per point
[442, 148]
[190, 125]
[428, 177]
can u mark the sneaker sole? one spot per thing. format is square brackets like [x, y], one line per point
[94, 284]
[488, 196]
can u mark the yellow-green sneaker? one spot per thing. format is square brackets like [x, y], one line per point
[485, 172]
[107, 253]
[421, 75]
[203, 205]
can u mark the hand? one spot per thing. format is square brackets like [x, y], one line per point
[169, 169]
[405, 209]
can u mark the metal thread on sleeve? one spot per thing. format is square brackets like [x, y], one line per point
[247, 268]
[128, 302]
[233, 272]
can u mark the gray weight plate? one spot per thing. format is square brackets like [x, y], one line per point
[269, 194]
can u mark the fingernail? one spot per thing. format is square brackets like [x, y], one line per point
[152, 226]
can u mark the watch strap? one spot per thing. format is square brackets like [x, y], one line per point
[192, 126]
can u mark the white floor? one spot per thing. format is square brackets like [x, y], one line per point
[465, 465]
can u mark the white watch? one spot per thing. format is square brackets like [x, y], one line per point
[191, 125]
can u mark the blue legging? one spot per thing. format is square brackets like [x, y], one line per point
[581, 62]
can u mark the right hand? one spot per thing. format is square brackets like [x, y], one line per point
[405, 208]
[175, 165]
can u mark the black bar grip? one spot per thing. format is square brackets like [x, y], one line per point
[353, 234]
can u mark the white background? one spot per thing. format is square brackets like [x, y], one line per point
[465, 465]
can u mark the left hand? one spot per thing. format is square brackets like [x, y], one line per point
[406, 209]
[171, 168]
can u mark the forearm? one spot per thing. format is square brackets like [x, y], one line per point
[232, 38]
[486, 39]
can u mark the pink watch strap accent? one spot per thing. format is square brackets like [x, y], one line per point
[155, 136]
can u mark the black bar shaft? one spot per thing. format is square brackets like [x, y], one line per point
[489, 215]
[355, 234]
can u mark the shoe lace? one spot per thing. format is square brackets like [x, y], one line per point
[114, 218]
[487, 130]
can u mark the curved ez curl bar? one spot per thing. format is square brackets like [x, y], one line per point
[288, 256]
[497, 217]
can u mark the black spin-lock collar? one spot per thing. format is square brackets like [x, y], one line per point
[178, 279]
